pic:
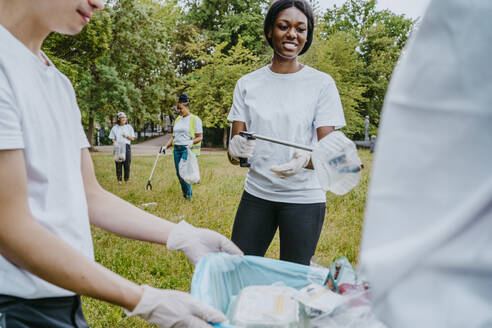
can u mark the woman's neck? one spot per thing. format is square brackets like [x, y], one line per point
[282, 65]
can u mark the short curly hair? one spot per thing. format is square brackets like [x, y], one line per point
[280, 5]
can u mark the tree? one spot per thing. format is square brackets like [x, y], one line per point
[212, 86]
[381, 36]
[140, 50]
[224, 21]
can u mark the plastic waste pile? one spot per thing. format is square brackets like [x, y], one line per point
[257, 292]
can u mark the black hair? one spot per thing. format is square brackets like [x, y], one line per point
[280, 5]
[183, 98]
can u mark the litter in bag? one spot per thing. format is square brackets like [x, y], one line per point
[188, 168]
[218, 277]
[265, 306]
[119, 151]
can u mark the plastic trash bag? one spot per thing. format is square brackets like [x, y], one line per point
[218, 277]
[336, 163]
[188, 168]
[342, 276]
[119, 151]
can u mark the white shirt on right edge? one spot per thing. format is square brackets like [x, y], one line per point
[288, 107]
[427, 238]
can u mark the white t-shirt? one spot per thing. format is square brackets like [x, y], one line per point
[39, 114]
[182, 130]
[288, 107]
[118, 131]
[427, 239]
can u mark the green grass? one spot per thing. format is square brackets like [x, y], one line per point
[214, 205]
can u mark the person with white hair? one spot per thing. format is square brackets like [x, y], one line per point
[123, 133]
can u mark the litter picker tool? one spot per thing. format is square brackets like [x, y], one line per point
[334, 158]
[163, 151]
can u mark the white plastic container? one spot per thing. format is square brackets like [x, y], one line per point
[264, 307]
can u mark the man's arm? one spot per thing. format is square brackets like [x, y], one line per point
[115, 215]
[25, 242]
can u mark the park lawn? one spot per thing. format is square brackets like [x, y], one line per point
[214, 205]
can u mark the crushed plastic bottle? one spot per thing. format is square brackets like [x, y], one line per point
[148, 205]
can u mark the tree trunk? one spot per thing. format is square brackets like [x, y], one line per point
[225, 136]
[90, 133]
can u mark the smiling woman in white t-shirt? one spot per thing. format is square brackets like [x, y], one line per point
[288, 101]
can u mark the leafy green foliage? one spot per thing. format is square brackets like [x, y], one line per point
[381, 36]
[226, 21]
[137, 55]
[211, 87]
[140, 50]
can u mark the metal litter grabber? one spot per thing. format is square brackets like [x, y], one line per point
[243, 162]
[334, 158]
[163, 151]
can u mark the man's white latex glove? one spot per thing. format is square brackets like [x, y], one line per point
[299, 160]
[189, 144]
[241, 147]
[171, 308]
[198, 242]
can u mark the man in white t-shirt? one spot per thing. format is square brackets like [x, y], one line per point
[49, 194]
[123, 133]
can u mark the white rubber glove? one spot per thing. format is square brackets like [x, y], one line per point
[189, 144]
[241, 147]
[198, 242]
[171, 308]
[299, 160]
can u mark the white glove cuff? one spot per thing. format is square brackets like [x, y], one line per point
[143, 305]
[178, 234]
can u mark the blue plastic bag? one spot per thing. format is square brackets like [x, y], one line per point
[218, 277]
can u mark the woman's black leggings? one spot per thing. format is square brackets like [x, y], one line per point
[299, 225]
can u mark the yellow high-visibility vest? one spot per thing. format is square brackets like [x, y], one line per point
[196, 147]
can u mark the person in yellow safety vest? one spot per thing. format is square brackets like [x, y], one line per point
[187, 134]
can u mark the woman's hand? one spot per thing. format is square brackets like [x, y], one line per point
[198, 242]
[172, 308]
[241, 147]
[299, 161]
